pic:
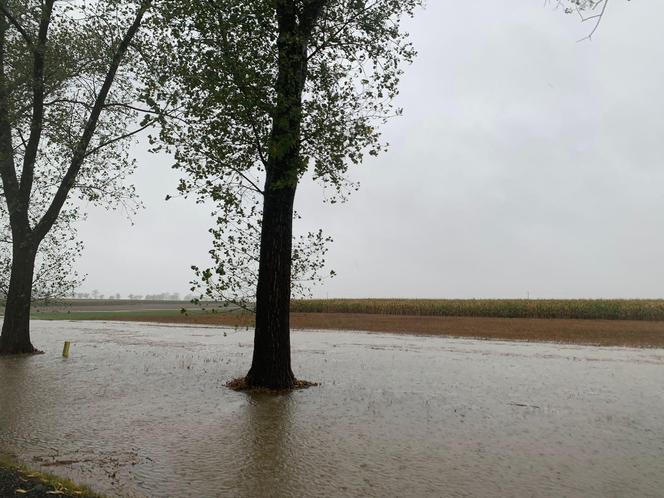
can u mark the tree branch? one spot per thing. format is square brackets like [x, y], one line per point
[599, 18]
[80, 153]
[39, 52]
[119, 138]
[248, 180]
[17, 215]
[339, 30]
[18, 26]
[252, 184]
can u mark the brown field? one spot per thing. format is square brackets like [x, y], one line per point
[629, 333]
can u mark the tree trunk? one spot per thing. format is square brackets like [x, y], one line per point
[271, 364]
[15, 338]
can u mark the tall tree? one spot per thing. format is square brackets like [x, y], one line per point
[65, 102]
[271, 89]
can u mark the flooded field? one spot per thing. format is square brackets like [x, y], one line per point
[141, 410]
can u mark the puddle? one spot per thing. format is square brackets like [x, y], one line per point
[141, 410]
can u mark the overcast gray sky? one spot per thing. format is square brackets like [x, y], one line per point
[525, 163]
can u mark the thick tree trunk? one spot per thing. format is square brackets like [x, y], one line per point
[15, 338]
[271, 365]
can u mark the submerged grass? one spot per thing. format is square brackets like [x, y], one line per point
[588, 309]
[24, 481]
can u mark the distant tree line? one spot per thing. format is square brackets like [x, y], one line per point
[164, 296]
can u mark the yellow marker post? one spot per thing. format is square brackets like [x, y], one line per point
[65, 351]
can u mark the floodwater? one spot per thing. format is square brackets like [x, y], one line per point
[141, 410]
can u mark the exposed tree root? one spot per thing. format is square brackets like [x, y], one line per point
[240, 384]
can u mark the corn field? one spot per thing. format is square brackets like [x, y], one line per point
[590, 309]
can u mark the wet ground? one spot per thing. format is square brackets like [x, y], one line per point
[141, 410]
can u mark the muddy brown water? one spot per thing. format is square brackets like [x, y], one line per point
[141, 410]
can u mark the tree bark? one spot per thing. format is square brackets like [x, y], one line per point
[271, 364]
[15, 337]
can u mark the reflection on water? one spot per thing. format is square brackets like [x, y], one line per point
[140, 410]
